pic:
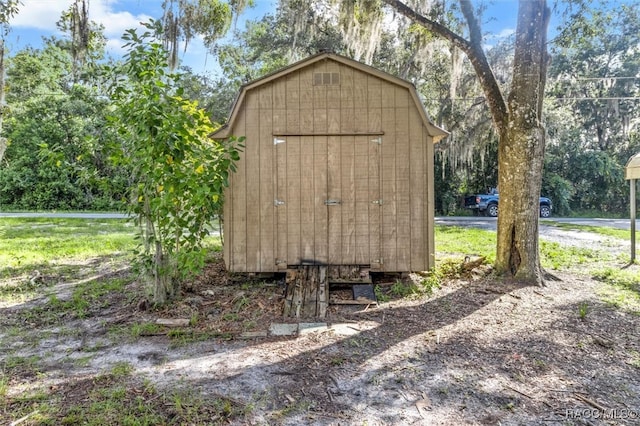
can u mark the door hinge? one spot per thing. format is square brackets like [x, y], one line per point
[276, 141]
[378, 202]
[278, 203]
[377, 140]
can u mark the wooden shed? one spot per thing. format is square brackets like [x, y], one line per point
[337, 169]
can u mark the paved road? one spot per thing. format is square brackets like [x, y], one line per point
[68, 215]
[472, 221]
[491, 222]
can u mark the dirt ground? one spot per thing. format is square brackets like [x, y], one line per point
[475, 352]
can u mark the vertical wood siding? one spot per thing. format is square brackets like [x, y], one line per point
[383, 192]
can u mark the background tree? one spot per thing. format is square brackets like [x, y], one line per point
[593, 105]
[178, 172]
[8, 9]
[183, 20]
[58, 157]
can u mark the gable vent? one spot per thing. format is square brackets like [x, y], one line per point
[326, 79]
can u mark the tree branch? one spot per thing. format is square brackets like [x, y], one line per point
[472, 48]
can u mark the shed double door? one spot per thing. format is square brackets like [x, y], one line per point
[328, 203]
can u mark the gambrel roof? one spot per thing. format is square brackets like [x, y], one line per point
[434, 131]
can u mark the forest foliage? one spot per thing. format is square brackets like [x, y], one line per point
[60, 153]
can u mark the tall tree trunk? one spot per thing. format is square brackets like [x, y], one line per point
[521, 149]
[518, 122]
[3, 140]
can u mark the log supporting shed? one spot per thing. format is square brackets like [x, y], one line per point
[337, 170]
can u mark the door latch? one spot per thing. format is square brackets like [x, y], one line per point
[331, 202]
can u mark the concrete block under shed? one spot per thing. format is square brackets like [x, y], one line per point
[279, 329]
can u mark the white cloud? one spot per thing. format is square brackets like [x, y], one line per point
[115, 22]
[41, 16]
[501, 35]
[38, 18]
[506, 32]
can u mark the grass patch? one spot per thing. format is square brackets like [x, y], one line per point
[558, 257]
[144, 329]
[21, 365]
[456, 240]
[182, 336]
[31, 242]
[84, 298]
[621, 289]
[115, 397]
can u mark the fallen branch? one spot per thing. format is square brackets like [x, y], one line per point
[24, 419]
[520, 392]
[590, 402]
[171, 322]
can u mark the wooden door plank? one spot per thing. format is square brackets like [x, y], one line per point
[347, 199]
[307, 200]
[376, 202]
[362, 200]
[280, 202]
[320, 194]
[334, 185]
[293, 200]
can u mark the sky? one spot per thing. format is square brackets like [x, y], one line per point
[37, 18]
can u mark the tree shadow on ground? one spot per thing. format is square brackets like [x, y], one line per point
[319, 375]
[500, 368]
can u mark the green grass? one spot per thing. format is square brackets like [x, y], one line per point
[595, 214]
[115, 397]
[621, 289]
[455, 240]
[37, 241]
[52, 250]
[85, 297]
[558, 257]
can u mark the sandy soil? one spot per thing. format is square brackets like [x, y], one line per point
[474, 352]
